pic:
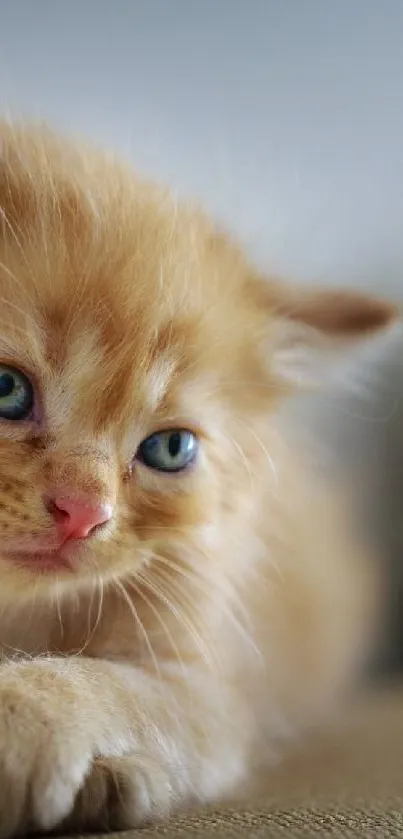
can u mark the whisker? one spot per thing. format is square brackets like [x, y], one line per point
[181, 618]
[91, 631]
[195, 578]
[222, 605]
[183, 598]
[58, 610]
[160, 619]
[120, 587]
[244, 461]
[263, 447]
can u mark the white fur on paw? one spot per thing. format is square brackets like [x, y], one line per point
[56, 768]
[43, 759]
[122, 793]
[53, 800]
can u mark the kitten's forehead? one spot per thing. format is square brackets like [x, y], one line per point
[80, 224]
[106, 284]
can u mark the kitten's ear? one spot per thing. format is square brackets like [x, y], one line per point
[306, 327]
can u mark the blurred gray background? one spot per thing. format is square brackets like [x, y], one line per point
[285, 117]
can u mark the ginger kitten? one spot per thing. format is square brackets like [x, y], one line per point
[176, 595]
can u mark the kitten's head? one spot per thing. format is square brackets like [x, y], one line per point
[138, 354]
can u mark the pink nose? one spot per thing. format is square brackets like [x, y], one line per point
[76, 518]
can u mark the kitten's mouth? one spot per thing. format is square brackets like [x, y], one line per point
[41, 561]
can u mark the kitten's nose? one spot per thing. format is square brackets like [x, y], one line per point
[76, 518]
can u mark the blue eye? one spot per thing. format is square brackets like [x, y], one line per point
[169, 451]
[16, 394]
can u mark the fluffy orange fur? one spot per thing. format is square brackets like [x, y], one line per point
[220, 608]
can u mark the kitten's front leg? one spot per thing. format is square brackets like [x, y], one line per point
[96, 744]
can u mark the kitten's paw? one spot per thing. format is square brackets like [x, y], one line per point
[48, 742]
[59, 766]
[121, 793]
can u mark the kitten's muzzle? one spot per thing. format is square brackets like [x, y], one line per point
[77, 517]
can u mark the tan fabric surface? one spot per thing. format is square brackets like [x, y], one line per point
[349, 785]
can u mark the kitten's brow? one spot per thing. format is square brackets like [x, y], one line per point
[159, 378]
